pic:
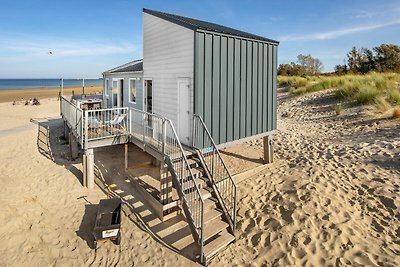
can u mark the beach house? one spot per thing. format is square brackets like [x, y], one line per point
[199, 86]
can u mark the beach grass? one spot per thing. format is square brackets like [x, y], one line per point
[381, 89]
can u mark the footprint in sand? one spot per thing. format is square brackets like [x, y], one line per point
[286, 214]
[272, 224]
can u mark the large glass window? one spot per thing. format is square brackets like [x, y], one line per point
[133, 84]
[115, 93]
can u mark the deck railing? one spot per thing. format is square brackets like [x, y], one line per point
[105, 123]
[74, 117]
[147, 127]
[96, 124]
[222, 180]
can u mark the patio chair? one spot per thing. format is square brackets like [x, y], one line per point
[118, 122]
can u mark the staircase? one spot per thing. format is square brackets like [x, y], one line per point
[217, 232]
[207, 191]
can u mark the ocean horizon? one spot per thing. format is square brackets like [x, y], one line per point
[15, 84]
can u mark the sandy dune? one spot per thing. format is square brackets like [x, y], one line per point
[331, 198]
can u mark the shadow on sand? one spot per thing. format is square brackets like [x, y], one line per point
[52, 144]
[87, 224]
[113, 180]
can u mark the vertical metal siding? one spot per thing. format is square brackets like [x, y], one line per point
[207, 80]
[224, 80]
[249, 87]
[243, 75]
[199, 72]
[270, 81]
[254, 90]
[216, 71]
[259, 88]
[274, 87]
[265, 89]
[235, 90]
[229, 119]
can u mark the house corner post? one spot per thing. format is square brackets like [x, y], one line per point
[268, 149]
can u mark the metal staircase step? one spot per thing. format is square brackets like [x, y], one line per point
[192, 163]
[209, 204]
[205, 194]
[211, 215]
[188, 184]
[196, 173]
[213, 227]
[217, 245]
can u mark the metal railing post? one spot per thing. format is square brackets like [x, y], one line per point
[86, 137]
[164, 136]
[130, 120]
[144, 128]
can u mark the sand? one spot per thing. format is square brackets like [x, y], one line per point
[330, 198]
[42, 93]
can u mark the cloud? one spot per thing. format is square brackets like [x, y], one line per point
[360, 14]
[62, 48]
[337, 33]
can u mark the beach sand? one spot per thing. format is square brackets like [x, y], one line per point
[331, 197]
[42, 93]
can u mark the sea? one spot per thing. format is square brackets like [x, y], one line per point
[13, 84]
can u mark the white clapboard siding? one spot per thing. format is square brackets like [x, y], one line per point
[168, 54]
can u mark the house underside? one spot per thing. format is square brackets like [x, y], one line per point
[193, 179]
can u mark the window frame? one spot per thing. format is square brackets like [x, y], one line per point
[106, 87]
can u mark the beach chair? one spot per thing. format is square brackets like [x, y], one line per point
[117, 123]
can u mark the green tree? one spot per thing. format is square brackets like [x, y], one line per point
[341, 69]
[387, 57]
[354, 59]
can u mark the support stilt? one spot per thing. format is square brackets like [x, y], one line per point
[126, 156]
[73, 146]
[268, 149]
[88, 168]
[66, 130]
[84, 163]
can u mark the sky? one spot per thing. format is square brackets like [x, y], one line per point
[87, 37]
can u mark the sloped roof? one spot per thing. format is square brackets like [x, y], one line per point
[133, 66]
[195, 24]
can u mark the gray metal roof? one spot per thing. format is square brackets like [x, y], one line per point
[196, 24]
[133, 66]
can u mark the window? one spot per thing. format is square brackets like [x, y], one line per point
[115, 93]
[133, 84]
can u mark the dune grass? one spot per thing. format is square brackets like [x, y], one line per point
[374, 88]
[396, 113]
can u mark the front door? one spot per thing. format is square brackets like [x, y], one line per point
[184, 110]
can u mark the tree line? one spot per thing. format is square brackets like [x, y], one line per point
[306, 65]
[383, 58]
